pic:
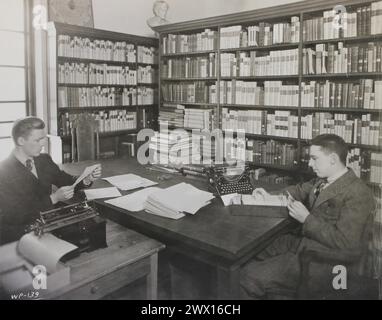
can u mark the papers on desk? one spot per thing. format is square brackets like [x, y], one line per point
[129, 181]
[255, 200]
[174, 201]
[171, 202]
[102, 193]
[133, 202]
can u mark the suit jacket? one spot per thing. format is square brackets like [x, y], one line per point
[340, 216]
[23, 196]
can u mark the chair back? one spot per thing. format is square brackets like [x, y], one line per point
[85, 138]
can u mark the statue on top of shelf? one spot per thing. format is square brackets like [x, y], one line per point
[160, 9]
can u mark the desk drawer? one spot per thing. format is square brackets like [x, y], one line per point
[110, 282]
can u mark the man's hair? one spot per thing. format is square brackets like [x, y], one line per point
[332, 143]
[23, 127]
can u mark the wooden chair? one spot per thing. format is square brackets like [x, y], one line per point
[85, 138]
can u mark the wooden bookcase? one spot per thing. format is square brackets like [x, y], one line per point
[134, 98]
[305, 12]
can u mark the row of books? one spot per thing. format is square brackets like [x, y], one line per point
[264, 34]
[365, 20]
[263, 176]
[184, 92]
[337, 58]
[353, 129]
[147, 75]
[363, 94]
[102, 74]
[254, 63]
[279, 123]
[147, 55]
[84, 48]
[199, 118]
[171, 115]
[366, 164]
[168, 148]
[183, 43]
[271, 152]
[108, 121]
[95, 97]
[273, 93]
[195, 67]
[241, 92]
[146, 96]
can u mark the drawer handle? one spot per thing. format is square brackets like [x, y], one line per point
[93, 289]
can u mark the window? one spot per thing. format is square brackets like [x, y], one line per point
[14, 68]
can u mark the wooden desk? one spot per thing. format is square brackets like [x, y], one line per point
[129, 256]
[213, 235]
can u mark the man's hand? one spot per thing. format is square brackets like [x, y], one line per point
[96, 174]
[62, 194]
[298, 211]
[260, 192]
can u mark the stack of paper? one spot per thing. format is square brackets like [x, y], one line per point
[130, 181]
[133, 202]
[174, 201]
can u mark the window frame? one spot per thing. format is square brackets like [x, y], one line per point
[28, 65]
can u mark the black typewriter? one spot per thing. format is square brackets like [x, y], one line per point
[226, 180]
[79, 224]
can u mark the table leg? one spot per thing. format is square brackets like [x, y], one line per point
[227, 283]
[152, 278]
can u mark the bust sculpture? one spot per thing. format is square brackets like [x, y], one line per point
[160, 9]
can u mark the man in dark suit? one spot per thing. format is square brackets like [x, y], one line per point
[334, 211]
[26, 180]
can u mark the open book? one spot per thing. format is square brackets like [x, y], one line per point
[268, 200]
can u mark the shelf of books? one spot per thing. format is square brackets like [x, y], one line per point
[284, 75]
[111, 76]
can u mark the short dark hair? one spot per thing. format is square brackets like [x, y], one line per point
[332, 143]
[23, 127]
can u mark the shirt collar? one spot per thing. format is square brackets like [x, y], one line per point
[337, 175]
[22, 157]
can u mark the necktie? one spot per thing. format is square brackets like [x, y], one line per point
[320, 187]
[29, 165]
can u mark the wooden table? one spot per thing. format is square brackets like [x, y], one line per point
[213, 235]
[93, 275]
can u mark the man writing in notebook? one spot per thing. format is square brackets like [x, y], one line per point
[26, 180]
[334, 211]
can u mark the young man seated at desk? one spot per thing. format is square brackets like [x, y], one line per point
[26, 180]
[334, 210]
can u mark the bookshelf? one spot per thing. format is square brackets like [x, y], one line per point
[110, 75]
[289, 69]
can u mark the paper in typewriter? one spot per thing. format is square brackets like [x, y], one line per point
[46, 250]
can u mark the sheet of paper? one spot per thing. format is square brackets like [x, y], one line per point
[228, 199]
[87, 171]
[248, 199]
[133, 202]
[46, 250]
[101, 193]
[129, 181]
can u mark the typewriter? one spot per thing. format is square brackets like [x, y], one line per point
[226, 180]
[79, 224]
